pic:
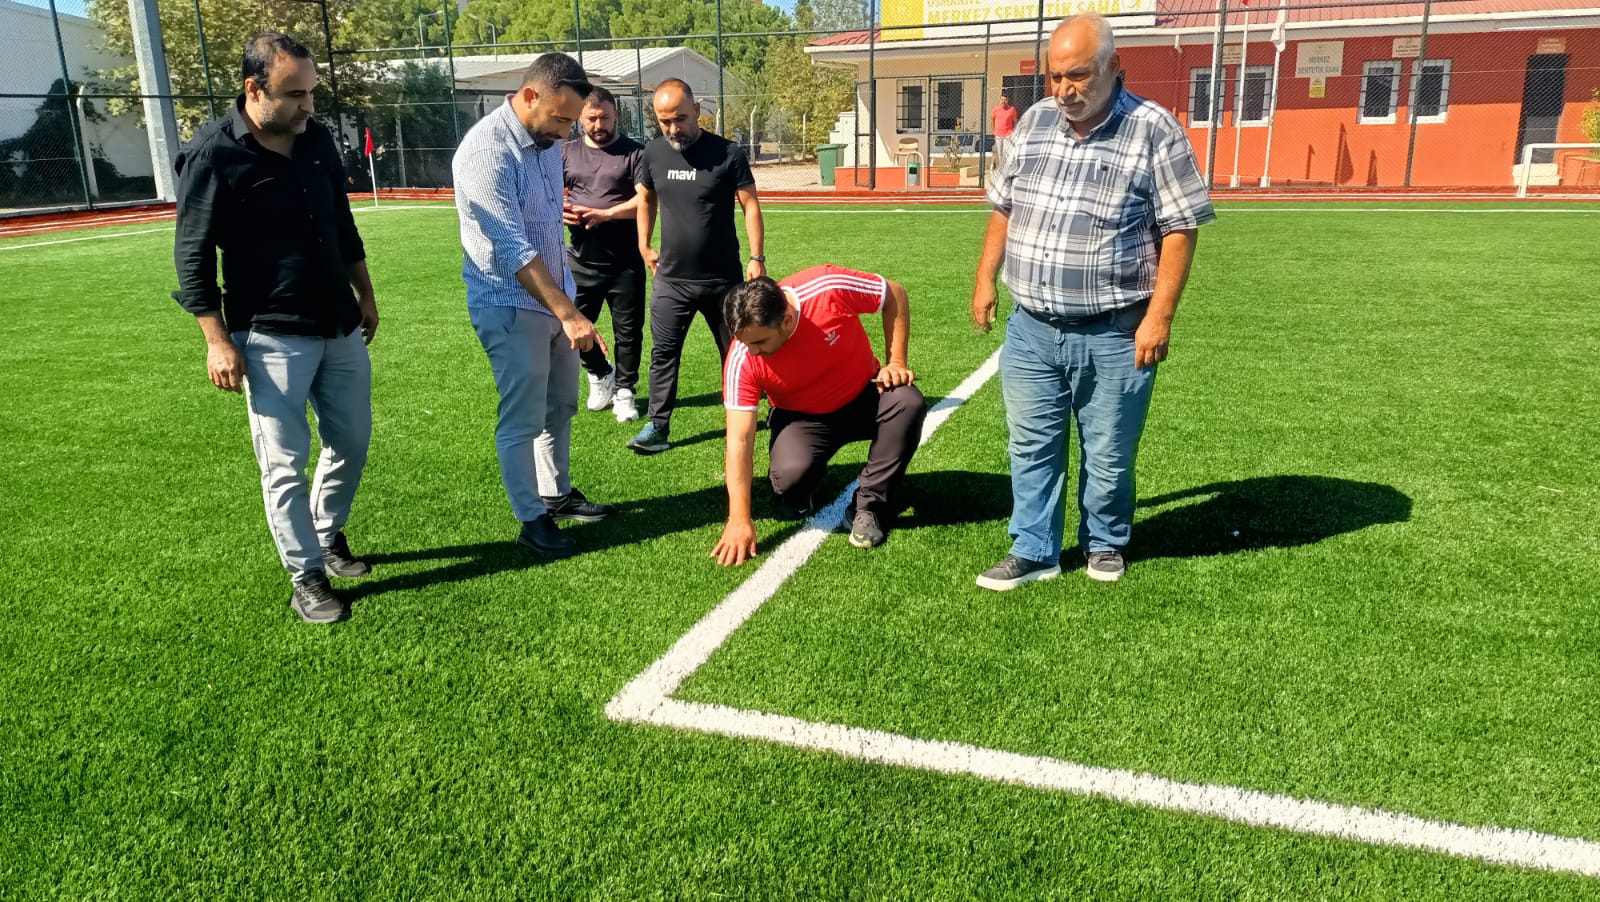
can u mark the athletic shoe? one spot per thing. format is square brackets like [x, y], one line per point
[1013, 571]
[314, 601]
[574, 506]
[338, 561]
[1106, 566]
[623, 406]
[652, 439]
[544, 536]
[601, 390]
[865, 531]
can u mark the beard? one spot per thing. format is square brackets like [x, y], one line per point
[602, 137]
[543, 142]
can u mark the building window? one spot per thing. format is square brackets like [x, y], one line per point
[1430, 90]
[1200, 96]
[1380, 92]
[948, 118]
[1257, 106]
[911, 107]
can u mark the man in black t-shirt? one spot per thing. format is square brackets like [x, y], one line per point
[695, 177]
[602, 171]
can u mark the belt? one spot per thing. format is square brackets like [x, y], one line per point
[1078, 322]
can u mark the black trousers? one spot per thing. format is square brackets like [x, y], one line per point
[803, 443]
[623, 288]
[673, 307]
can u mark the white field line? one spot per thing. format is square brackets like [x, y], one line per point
[18, 247]
[647, 700]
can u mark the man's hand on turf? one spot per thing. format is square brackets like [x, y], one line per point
[985, 301]
[893, 376]
[737, 545]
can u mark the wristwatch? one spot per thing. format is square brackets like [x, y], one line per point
[758, 258]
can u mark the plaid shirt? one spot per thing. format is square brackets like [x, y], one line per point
[508, 197]
[1087, 214]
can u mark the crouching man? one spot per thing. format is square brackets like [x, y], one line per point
[801, 343]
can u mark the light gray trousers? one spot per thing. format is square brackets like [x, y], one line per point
[282, 374]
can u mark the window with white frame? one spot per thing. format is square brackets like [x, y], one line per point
[1200, 96]
[1257, 102]
[1430, 90]
[1380, 92]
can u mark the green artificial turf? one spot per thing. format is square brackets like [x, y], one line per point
[1393, 410]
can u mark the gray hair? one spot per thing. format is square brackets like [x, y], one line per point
[1105, 38]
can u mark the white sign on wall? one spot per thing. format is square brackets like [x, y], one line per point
[1406, 48]
[1319, 59]
[1232, 54]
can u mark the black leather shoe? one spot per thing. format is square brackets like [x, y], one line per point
[545, 537]
[573, 506]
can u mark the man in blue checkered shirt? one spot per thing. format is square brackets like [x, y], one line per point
[1096, 213]
[508, 184]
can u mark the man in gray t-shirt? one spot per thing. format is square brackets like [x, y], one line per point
[602, 170]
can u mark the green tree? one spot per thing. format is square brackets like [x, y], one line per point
[355, 24]
[811, 96]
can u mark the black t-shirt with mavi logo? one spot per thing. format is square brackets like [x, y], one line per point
[695, 197]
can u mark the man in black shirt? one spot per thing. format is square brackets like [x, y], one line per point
[601, 170]
[265, 186]
[695, 177]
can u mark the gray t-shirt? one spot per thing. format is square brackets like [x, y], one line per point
[602, 177]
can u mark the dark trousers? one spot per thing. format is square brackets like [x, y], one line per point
[673, 306]
[803, 443]
[623, 288]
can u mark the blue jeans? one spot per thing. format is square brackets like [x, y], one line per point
[536, 371]
[282, 373]
[1050, 371]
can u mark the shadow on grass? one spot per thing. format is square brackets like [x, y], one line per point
[635, 521]
[1263, 512]
[1220, 518]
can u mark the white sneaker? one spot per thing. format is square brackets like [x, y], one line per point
[601, 390]
[623, 406]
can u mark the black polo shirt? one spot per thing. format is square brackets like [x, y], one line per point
[283, 225]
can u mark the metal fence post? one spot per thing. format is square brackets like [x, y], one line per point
[1215, 90]
[872, 97]
[66, 107]
[333, 76]
[1416, 75]
[721, 62]
[160, 121]
[205, 59]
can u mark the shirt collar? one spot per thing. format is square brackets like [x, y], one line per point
[508, 116]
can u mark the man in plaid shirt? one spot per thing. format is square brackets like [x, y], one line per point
[1096, 214]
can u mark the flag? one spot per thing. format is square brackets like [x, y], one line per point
[369, 142]
[1280, 38]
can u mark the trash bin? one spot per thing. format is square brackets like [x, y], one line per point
[828, 160]
[913, 177]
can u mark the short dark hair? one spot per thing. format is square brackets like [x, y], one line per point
[600, 95]
[554, 71]
[678, 83]
[758, 302]
[262, 49]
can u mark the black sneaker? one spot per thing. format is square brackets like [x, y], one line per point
[574, 506]
[314, 601]
[1013, 571]
[545, 537]
[1106, 566]
[337, 559]
[865, 531]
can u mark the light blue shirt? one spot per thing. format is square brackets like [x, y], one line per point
[508, 197]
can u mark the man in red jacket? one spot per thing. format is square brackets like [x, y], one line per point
[801, 343]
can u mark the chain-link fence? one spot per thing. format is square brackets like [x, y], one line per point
[1448, 94]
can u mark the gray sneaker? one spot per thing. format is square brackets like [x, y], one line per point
[314, 601]
[1106, 566]
[865, 531]
[652, 439]
[1013, 571]
[339, 560]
